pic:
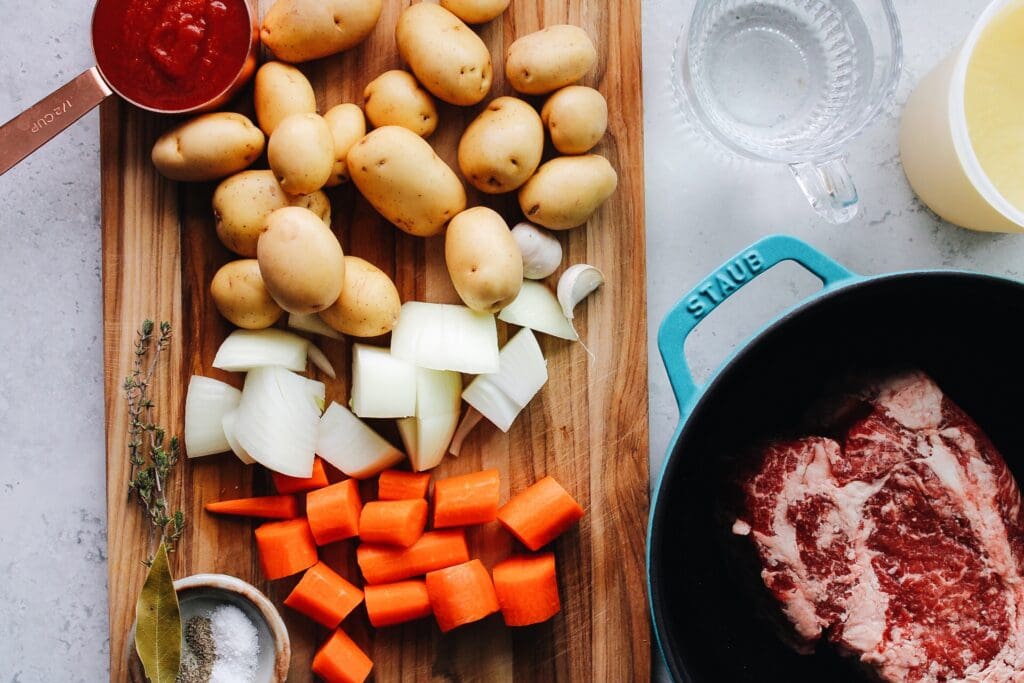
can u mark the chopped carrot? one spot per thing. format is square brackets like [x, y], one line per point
[396, 603]
[340, 660]
[461, 594]
[333, 511]
[401, 485]
[527, 589]
[537, 515]
[394, 522]
[324, 596]
[267, 507]
[285, 484]
[285, 547]
[434, 550]
[467, 499]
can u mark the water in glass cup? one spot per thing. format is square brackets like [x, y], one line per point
[791, 81]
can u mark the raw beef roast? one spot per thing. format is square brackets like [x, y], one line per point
[901, 541]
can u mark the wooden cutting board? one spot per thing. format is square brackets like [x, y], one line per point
[587, 428]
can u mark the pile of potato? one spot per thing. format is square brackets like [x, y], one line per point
[278, 220]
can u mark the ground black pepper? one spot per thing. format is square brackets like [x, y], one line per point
[198, 653]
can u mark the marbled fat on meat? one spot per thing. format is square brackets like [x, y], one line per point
[903, 544]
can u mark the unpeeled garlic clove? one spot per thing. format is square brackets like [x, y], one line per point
[542, 252]
[576, 284]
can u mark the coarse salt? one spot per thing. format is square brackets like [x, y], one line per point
[237, 646]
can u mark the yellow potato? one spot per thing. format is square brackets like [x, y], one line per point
[502, 147]
[301, 30]
[301, 153]
[401, 176]
[395, 99]
[301, 261]
[369, 303]
[208, 147]
[566, 191]
[549, 59]
[240, 295]
[475, 11]
[348, 126]
[576, 118]
[279, 91]
[448, 58]
[242, 202]
[484, 260]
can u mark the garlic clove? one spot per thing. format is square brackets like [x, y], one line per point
[576, 284]
[542, 252]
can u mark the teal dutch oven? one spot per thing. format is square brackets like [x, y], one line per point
[712, 618]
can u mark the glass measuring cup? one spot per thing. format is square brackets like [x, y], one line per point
[790, 81]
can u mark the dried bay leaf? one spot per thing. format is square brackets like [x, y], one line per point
[158, 622]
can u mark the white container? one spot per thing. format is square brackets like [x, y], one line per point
[936, 150]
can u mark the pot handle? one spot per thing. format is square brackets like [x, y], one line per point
[729, 278]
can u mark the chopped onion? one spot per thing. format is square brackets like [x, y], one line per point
[502, 395]
[312, 323]
[427, 435]
[537, 308]
[228, 424]
[206, 403]
[349, 444]
[278, 419]
[319, 359]
[446, 337]
[382, 385]
[244, 350]
[470, 420]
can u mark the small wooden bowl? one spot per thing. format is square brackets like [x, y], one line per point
[275, 647]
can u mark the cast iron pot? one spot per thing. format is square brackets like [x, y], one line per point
[961, 328]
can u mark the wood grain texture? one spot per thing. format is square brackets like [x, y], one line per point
[587, 428]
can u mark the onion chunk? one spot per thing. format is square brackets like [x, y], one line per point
[349, 444]
[244, 350]
[206, 403]
[446, 337]
[501, 396]
[537, 308]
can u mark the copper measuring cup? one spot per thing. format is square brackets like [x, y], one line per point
[37, 125]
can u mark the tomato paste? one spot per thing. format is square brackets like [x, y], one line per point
[171, 55]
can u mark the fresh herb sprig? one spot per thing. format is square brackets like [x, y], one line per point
[151, 453]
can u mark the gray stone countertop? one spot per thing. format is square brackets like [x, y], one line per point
[701, 208]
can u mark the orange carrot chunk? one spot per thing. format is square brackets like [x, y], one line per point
[393, 522]
[539, 514]
[461, 594]
[333, 511]
[401, 485]
[285, 484]
[527, 589]
[267, 507]
[466, 500]
[434, 550]
[396, 603]
[324, 596]
[341, 661]
[285, 548]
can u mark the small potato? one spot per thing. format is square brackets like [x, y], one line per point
[483, 259]
[348, 126]
[208, 147]
[281, 90]
[395, 99]
[475, 11]
[401, 176]
[448, 58]
[566, 191]
[502, 147]
[549, 59]
[301, 261]
[301, 153]
[576, 118]
[240, 295]
[301, 30]
[369, 303]
[242, 202]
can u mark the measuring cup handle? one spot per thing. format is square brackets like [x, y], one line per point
[828, 187]
[37, 125]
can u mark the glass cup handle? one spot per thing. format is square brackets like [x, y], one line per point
[828, 187]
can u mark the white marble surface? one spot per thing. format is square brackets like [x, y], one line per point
[701, 208]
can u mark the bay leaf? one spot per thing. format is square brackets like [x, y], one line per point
[158, 622]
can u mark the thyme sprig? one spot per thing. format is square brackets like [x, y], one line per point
[151, 454]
